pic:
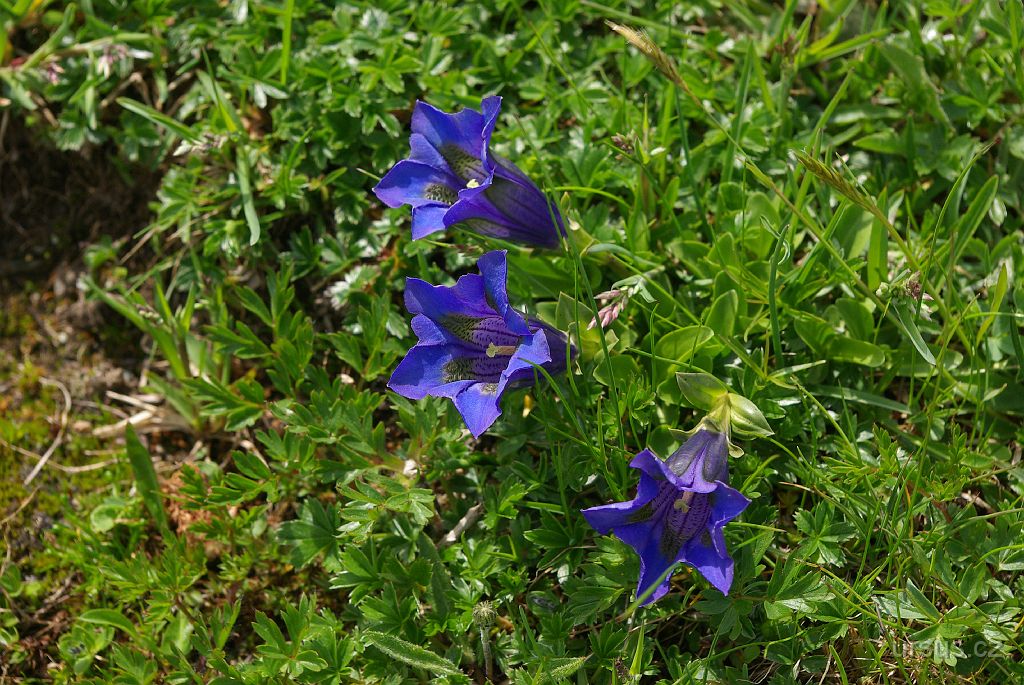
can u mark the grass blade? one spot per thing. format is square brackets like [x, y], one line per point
[145, 478]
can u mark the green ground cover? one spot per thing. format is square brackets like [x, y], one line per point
[801, 218]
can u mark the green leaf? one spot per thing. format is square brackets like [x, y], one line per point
[563, 667]
[922, 603]
[878, 254]
[625, 369]
[108, 617]
[411, 654]
[588, 600]
[145, 478]
[314, 533]
[245, 188]
[842, 348]
[796, 587]
[146, 112]
[905, 317]
[440, 579]
[973, 217]
[861, 396]
[250, 465]
[995, 302]
[10, 580]
[239, 410]
[286, 38]
[679, 346]
[886, 142]
[910, 68]
[722, 315]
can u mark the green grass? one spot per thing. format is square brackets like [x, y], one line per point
[821, 211]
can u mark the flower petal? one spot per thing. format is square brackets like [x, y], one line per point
[482, 217]
[494, 270]
[428, 219]
[726, 504]
[421, 150]
[532, 350]
[422, 373]
[506, 169]
[606, 517]
[700, 461]
[463, 128]
[515, 193]
[562, 351]
[428, 332]
[490, 107]
[712, 560]
[471, 290]
[653, 564]
[437, 301]
[416, 184]
[480, 406]
[621, 517]
[650, 464]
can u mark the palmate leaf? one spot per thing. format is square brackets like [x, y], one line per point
[793, 588]
[239, 410]
[590, 598]
[313, 534]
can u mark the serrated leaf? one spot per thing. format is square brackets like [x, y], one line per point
[313, 533]
[413, 655]
[250, 465]
[564, 667]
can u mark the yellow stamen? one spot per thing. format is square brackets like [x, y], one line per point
[472, 183]
[683, 503]
[504, 350]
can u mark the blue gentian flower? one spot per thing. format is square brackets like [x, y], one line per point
[680, 508]
[473, 345]
[451, 177]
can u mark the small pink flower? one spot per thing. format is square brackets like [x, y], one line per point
[615, 301]
[53, 72]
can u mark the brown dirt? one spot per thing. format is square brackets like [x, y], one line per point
[54, 203]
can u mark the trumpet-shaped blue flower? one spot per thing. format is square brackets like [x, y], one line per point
[473, 345]
[678, 514]
[451, 176]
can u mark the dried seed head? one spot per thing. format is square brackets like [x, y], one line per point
[640, 39]
[837, 181]
[484, 614]
[624, 143]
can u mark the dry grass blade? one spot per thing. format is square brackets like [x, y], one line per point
[835, 180]
[462, 526]
[60, 431]
[643, 42]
